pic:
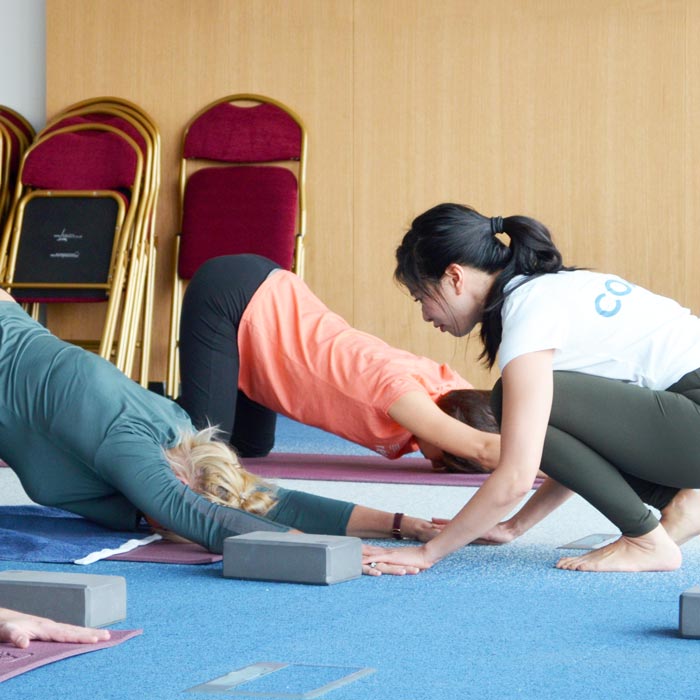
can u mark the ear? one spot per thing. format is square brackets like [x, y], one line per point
[454, 275]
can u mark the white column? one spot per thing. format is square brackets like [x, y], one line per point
[23, 58]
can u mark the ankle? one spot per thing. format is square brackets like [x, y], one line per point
[656, 539]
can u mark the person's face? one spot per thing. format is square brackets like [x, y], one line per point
[456, 303]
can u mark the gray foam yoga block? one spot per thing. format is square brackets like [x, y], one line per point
[689, 613]
[78, 599]
[294, 558]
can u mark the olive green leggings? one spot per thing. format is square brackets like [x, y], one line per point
[620, 446]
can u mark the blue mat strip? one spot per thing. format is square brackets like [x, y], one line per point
[51, 535]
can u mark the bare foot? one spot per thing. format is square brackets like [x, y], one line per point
[681, 517]
[655, 551]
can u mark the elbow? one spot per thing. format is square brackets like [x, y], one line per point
[488, 452]
[519, 491]
[514, 489]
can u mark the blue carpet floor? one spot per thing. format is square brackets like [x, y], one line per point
[291, 436]
[486, 623]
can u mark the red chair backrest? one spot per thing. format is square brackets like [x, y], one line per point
[81, 160]
[245, 209]
[109, 119]
[259, 134]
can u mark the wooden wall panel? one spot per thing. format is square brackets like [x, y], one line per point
[172, 57]
[578, 114]
[584, 115]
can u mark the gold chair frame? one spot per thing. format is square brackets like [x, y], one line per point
[27, 128]
[146, 259]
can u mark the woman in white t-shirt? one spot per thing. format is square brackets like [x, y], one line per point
[600, 388]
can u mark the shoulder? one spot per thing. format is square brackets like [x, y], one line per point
[553, 289]
[558, 280]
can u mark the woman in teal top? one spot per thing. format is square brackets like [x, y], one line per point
[82, 436]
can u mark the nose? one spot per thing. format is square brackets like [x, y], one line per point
[425, 316]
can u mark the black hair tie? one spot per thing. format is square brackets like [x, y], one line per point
[496, 225]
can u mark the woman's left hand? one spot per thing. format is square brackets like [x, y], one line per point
[425, 530]
[414, 558]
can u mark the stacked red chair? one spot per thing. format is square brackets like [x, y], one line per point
[81, 226]
[242, 190]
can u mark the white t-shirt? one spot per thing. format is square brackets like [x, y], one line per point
[600, 324]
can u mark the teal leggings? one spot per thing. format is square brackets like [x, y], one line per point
[620, 446]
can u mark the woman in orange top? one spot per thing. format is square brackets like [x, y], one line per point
[255, 341]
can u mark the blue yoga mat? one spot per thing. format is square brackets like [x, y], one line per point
[40, 534]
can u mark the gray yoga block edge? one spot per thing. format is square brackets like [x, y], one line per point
[79, 599]
[294, 558]
[689, 613]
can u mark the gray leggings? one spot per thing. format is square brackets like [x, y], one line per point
[620, 446]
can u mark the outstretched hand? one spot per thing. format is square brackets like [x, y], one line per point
[498, 534]
[413, 558]
[425, 530]
[19, 629]
[380, 568]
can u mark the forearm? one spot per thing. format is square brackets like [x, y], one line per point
[311, 513]
[489, 505]
[468, 443]
[418, 413]
[526, 408]
[372, 523]
[548, 497]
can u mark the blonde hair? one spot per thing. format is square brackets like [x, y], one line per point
[211, 468]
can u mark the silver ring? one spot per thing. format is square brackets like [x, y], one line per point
[373, 565]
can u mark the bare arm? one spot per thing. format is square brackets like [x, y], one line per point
[419, 414]
[368, 522]
[527, 383]
[548, 497]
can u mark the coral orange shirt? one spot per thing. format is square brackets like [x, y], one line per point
[300, 359]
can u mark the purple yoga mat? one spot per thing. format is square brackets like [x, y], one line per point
[14, 661]
[407, 470]
[164, 552]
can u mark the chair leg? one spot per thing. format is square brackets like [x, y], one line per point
[148, 317]
[173, 362]
[130, 337]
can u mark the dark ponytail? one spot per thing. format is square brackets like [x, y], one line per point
[453, 233]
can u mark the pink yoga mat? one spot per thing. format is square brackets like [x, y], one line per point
[14, 661]
[406, 470]
[164, 552]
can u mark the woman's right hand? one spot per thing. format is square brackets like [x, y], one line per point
[413, 559]
[498, 534]
[20, 629]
